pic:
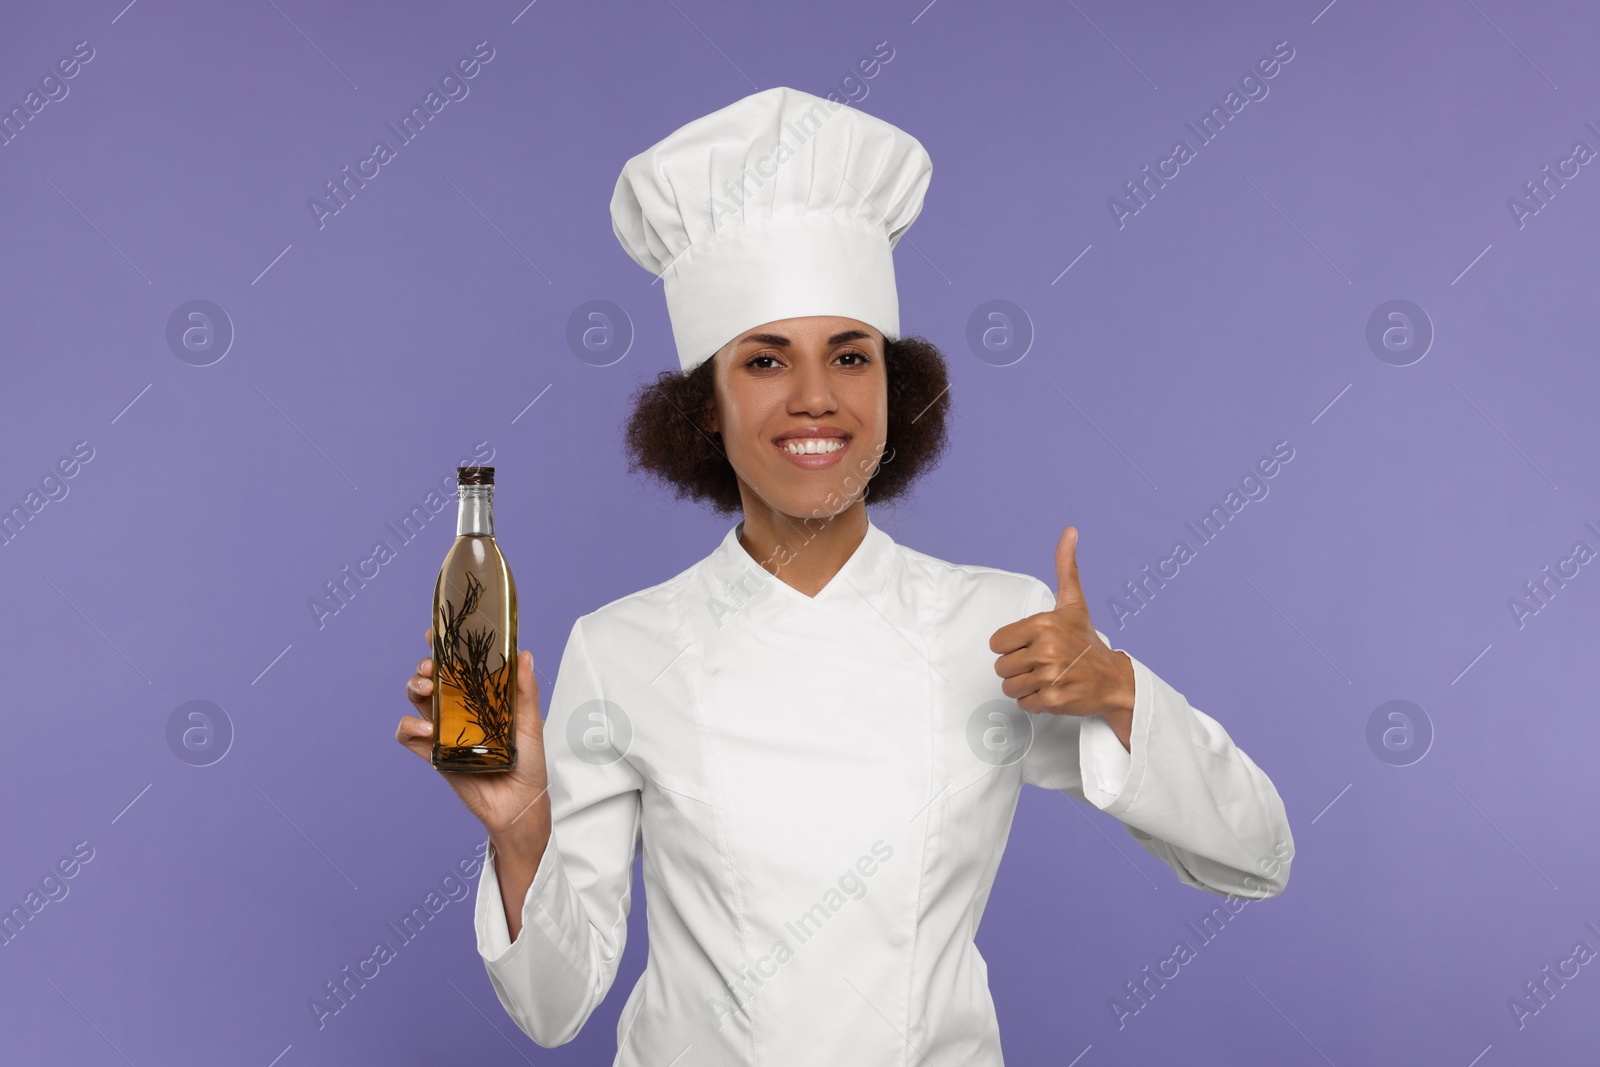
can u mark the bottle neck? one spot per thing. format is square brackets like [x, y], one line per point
[477, 510]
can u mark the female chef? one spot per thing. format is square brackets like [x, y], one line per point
[818, 735]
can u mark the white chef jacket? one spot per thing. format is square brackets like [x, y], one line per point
[821, 827]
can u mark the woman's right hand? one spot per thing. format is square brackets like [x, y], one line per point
[514, 805]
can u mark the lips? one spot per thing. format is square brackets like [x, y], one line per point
[811, 431]
[813, 447]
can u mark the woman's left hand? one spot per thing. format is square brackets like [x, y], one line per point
[1055, 662]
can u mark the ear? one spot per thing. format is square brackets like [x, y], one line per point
[708, 418]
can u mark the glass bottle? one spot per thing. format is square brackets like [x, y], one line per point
[475, 640]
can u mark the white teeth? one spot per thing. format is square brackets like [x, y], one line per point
[812, 445]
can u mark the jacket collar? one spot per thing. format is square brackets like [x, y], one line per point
[748, 588]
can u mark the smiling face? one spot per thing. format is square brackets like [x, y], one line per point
[802, 405]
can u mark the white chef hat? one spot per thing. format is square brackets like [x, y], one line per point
[779, 205]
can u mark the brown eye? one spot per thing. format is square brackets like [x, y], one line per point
[861, 356]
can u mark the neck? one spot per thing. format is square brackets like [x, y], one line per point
[804, 553]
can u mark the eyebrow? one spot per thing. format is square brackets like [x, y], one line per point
[783, 342]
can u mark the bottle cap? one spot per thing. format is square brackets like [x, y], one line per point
[474, 475]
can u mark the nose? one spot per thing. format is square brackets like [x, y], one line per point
[811, 386]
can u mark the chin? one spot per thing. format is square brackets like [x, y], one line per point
[810, 501]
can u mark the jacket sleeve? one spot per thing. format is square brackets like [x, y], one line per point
[1185, 791]
[575, 914]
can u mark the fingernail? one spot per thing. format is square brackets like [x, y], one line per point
[427, 727]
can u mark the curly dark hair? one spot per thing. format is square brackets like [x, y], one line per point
[666, 441]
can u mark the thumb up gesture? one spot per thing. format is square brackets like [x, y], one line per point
[1055, 662]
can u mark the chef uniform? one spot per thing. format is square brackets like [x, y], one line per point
[824, 785]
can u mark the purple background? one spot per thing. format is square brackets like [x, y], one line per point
[371, 353]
